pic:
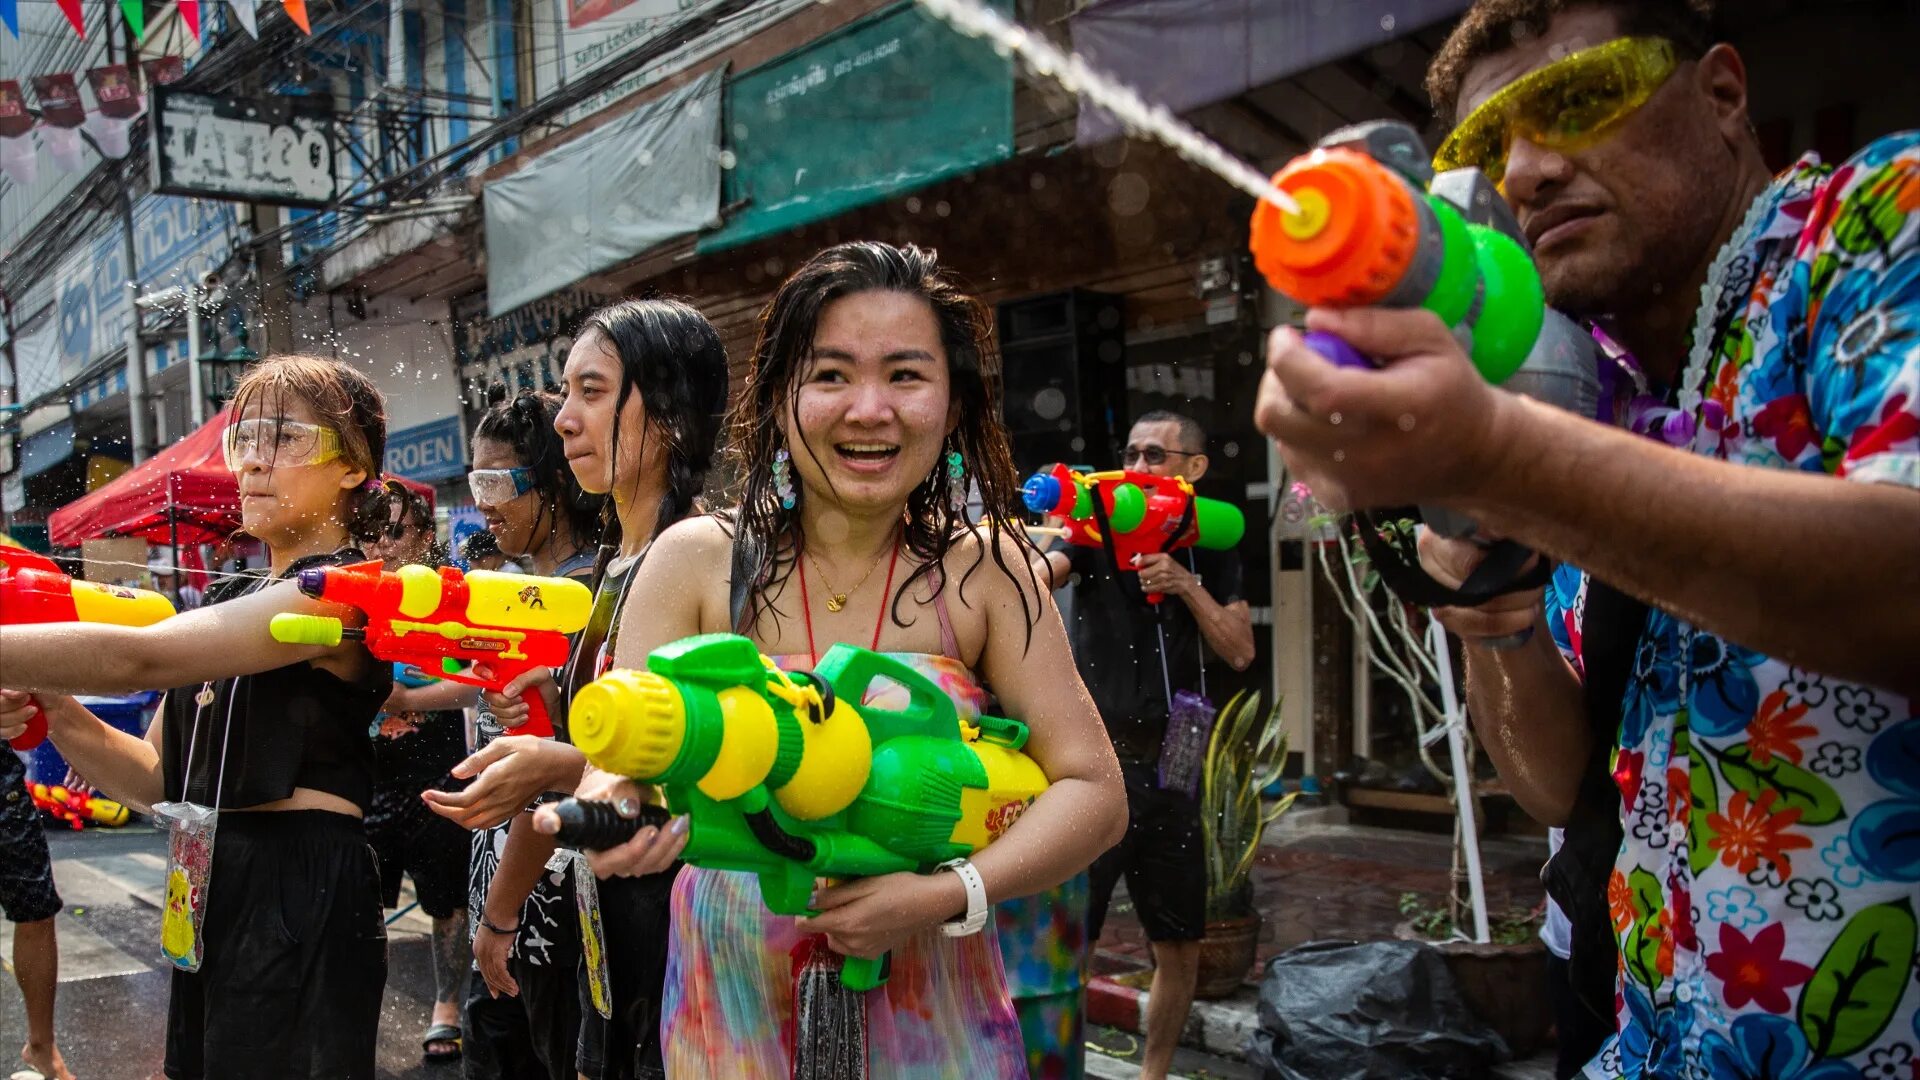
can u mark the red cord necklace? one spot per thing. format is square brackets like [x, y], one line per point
[806, 605]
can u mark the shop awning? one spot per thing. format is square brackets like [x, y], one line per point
[650, 176]
[1188, 53]
[185, 486]
[891, 103]
[44, 450]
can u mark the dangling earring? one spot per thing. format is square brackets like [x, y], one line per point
[783, 478]
[956, 480]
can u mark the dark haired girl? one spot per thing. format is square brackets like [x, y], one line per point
[274, 736]
[871, 407]
[646, 383]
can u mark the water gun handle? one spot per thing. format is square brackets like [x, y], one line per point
[539, 721]
[592, 825]
[861, 973]
[36, 732]
[1337, 350]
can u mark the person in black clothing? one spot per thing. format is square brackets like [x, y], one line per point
[646, 383]
[417, 740]
[293, 946]
[1135, 660]
[523, 1005]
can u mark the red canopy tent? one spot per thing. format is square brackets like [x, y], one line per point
[182, 495]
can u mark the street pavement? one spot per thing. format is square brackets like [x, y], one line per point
[112, 1011]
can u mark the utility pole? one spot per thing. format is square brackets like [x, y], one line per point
[136, 353]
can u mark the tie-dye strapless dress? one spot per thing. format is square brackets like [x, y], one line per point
[944, 1013]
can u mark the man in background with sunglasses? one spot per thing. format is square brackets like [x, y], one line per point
[1737, 760]
[1144, 666]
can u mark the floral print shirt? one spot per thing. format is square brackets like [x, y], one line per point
[1766, 889]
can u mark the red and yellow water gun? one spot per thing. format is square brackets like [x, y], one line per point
[1132, 513]
[78, 809]
[33, 590]
[443, 621]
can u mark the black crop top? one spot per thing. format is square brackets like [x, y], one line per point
[292, 727]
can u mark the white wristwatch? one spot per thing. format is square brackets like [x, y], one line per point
[976, 916]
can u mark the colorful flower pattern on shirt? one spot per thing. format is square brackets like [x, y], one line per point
[1766, 890]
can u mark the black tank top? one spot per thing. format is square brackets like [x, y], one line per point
[293, 727]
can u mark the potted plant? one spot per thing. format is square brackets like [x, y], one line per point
[1501, 980]
[1245, 754]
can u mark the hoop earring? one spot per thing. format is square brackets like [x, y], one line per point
[783, 479]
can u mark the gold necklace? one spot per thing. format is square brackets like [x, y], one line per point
[835, 599]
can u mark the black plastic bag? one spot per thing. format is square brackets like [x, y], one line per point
[1380, 1010]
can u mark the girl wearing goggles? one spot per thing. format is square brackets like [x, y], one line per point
[278, 731]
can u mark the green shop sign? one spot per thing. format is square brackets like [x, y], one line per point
[891, 103]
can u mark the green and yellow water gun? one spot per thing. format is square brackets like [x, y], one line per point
[788, 776]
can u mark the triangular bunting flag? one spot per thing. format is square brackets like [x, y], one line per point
[297, 11]
[10, 14]
[136, 13]
[243, 10]
[71, 9]
[190, 13]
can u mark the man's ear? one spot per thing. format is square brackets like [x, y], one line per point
[1722, 77]
[1196, 468]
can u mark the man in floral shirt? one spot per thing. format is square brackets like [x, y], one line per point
[1765, 746]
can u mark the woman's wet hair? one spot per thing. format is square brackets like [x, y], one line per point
[343, 398]
[524, 424]
[673, 357]
[781, 358]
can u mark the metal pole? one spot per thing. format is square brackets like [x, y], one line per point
[136, 355]
[173, 543]
[1462, 778]
[196, 392]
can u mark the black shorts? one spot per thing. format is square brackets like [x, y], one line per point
[295, 955]
[26, 869]
[430, 849]
[1162, 858]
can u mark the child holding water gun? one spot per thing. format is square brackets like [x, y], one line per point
[646, 383]
[290, 939]
[868, 412]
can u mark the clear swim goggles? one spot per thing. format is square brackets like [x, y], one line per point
[278, 443]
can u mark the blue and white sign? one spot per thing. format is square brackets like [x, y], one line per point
[463, 520]
[429, 452]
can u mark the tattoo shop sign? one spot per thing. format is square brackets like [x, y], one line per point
[277, 150]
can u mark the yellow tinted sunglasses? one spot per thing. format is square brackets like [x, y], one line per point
[1568, 105]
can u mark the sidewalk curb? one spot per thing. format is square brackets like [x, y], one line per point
[1217, 1027]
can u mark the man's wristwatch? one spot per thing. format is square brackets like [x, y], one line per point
[976, 916]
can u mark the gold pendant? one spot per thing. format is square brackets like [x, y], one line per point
[835, 603]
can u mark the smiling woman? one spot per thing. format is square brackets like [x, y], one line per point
[871, 409]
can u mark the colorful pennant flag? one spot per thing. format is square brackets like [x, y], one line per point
[297, 11]
[71, 9]
[10, 14]
[243, 10]
[136, 13]
[190, 14]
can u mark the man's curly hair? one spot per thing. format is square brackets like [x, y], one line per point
[1491, 26]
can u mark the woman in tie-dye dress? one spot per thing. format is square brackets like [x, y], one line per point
[870, 409]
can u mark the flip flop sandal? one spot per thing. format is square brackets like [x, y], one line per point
[440, 1033]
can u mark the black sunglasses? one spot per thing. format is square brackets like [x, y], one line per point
[1152, 455]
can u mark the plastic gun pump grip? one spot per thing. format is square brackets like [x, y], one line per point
[589, 825]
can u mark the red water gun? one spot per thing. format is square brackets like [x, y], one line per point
[78, 809]
[33, 590]
[1132, 513]
[444, 621]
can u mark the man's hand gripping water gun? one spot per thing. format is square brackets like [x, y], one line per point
[1376, 227]
[1131, 514]
[784, 775]
[33, 590]
[440, 621]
